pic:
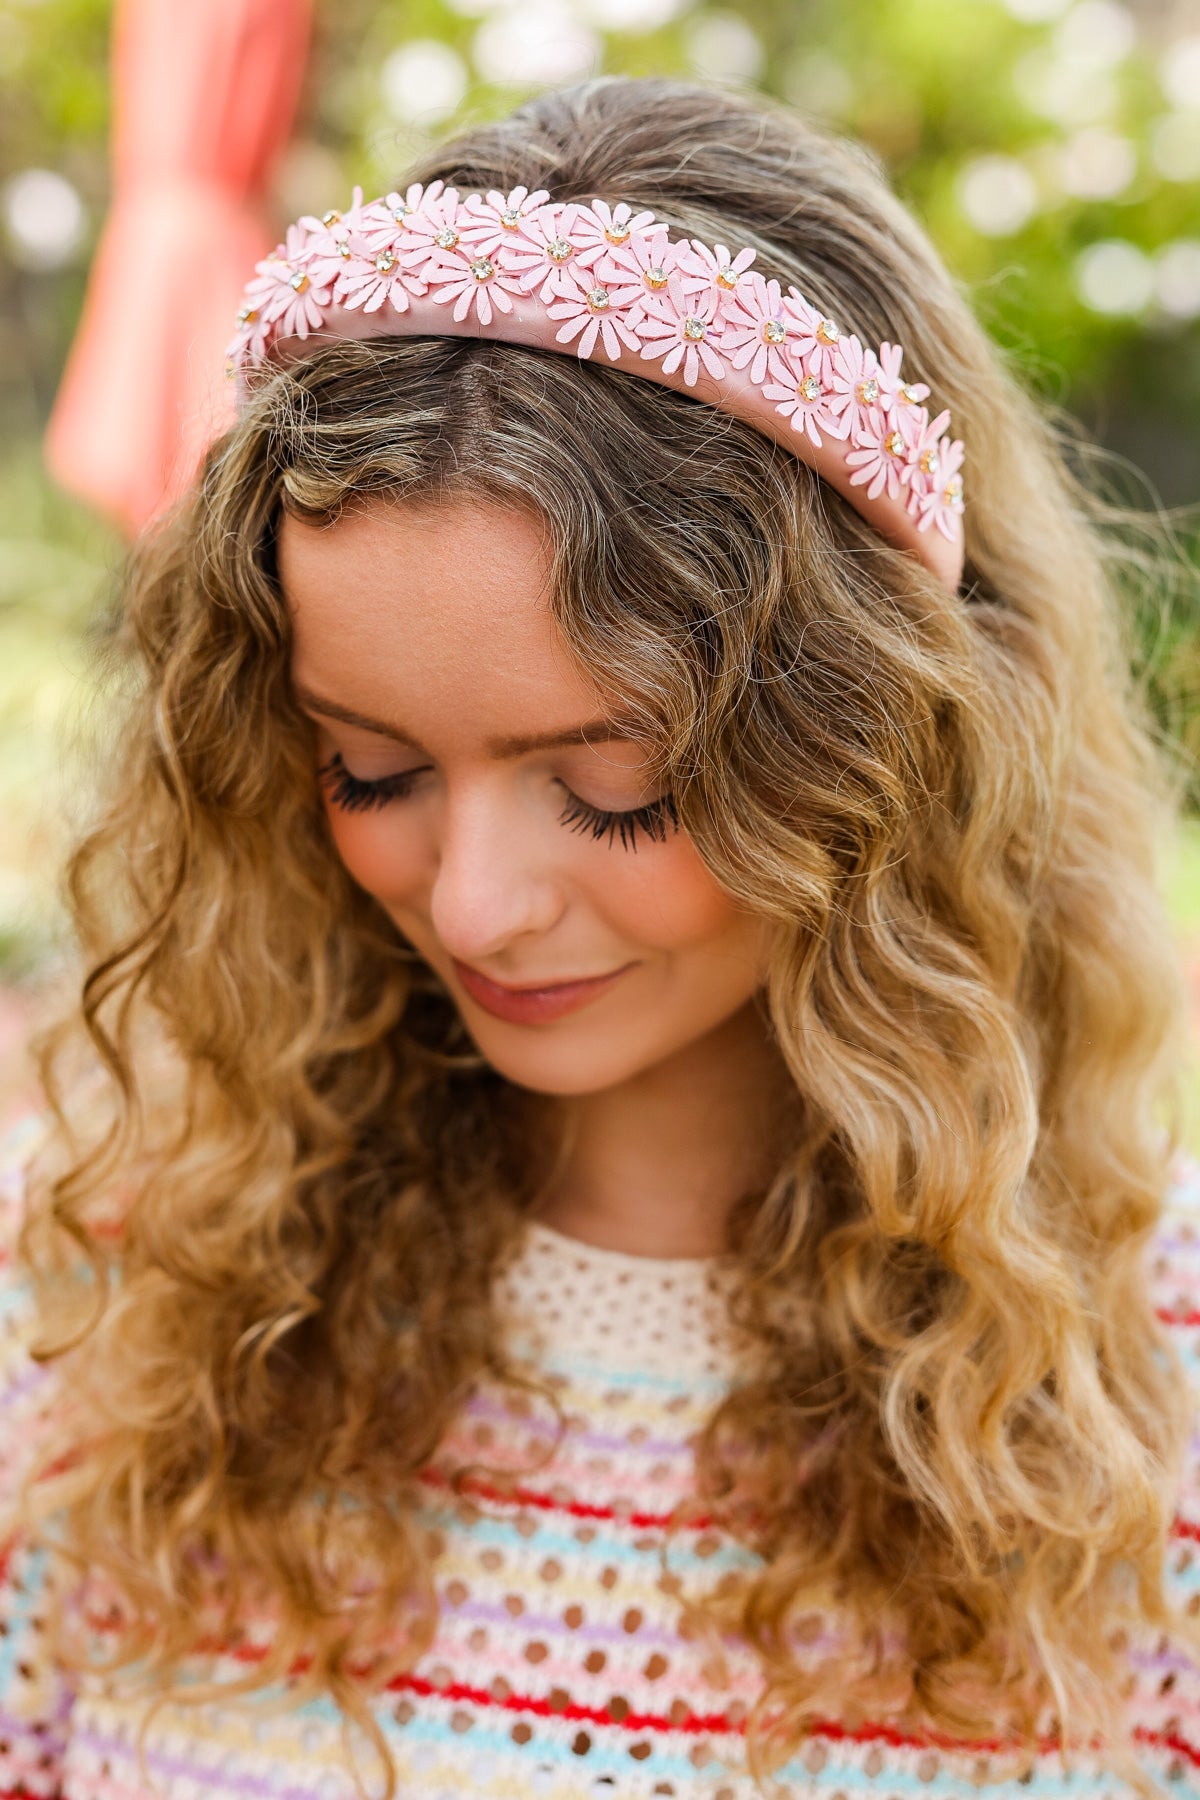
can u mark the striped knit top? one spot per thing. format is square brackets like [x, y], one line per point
[560, 1669]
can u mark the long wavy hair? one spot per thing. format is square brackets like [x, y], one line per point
[279, 1184]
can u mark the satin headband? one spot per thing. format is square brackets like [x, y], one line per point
[593, 279]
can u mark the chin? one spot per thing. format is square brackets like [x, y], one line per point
[557, 1063]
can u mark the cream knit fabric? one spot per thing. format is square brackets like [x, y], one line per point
[560, 1669]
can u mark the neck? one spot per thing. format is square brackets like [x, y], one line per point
[654, 1165]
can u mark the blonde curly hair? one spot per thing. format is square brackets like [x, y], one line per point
[294, 1183]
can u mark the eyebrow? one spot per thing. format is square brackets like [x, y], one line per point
[592, 731]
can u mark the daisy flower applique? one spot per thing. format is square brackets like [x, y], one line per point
[885, 449]
[329, 238]
[282, 300]
[648, 259]
[716, 269]
[811, 333]
[794, 383]
[544, 250]
[852, 374]
[471, 279]
[491, 224]
[935, 484]
[594, 309]
[754, 324]
[683, 329]
[432, 229]
[894, 391]
[372, 267]
[599, 229]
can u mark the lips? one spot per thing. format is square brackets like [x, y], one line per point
[533, 1005]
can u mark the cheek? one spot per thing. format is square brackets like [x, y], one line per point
[387, 863]
[664, 897]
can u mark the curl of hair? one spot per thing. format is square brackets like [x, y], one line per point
[292, 1179]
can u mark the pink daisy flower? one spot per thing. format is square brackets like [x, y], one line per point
[431, 229]
[894, 391]
[599, 229]
[941, 502]
[470, 279]
[492, 224]
[810, 333]
[595, 309]
[803, 397]
[543, 249]
[754, 324]
[716, 268]
[853, 379]
[285, 296]
[676, 326]
[885, 449]
[649, 260]
[329, 238]
[371, 277]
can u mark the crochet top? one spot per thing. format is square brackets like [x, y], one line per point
[559, 1669]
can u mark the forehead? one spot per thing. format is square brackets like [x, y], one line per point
[429, 605]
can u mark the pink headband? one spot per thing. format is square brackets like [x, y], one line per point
[591, 278]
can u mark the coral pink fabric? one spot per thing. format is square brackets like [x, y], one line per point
[204, 98]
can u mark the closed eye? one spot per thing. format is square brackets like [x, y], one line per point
[351, 793]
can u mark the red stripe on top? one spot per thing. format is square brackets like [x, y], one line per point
[477, 1488]
[710, 1724]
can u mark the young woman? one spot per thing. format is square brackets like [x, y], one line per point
[611, 1220]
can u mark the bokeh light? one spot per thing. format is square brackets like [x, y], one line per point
[997, 194]
[535, 44]
[1114, 277]
[424, 81]
[44, 218]
[723, 47]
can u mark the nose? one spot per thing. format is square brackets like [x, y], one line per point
[495, 880]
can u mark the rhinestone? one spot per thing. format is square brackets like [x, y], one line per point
[510, 218]
[299, 281]
[727, 277]
[597, 299]
[385, 262]
[482, 268]
[827, 332]
[331, 218]
[893, 443]
[929, 462]
[809, 388]
[247, 315]
[400, 212]
[868, 391]
[953, 490]
[446, 238]
[774, 332]
[655, 277]
[558, 250]
[344, 249]
[693, 328]
[909, 393]
[616, 234]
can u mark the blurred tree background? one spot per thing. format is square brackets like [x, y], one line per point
[1052, 148]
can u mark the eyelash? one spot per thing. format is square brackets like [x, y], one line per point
[352, 794]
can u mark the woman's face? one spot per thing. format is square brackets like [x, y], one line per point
[474, 788]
